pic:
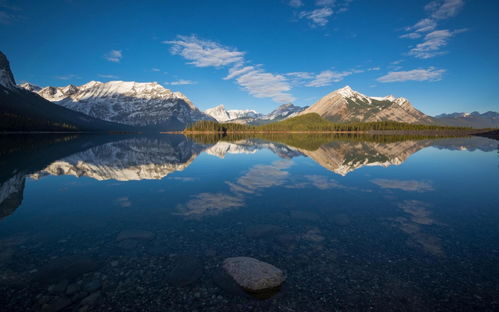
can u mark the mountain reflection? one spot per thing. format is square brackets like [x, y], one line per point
[134, 157]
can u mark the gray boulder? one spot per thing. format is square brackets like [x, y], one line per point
[253, 275]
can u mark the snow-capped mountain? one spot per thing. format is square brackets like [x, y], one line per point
[474, 120]
[222, 115]
[284, 111]
[148, 105]
[346, 104]
[6, 77]
[23, 110]
[252, 117]
[30, 87]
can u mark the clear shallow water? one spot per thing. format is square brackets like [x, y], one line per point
[136, 223]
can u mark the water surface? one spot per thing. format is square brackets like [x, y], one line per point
[140, 223]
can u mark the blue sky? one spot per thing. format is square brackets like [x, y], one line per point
[442, 55]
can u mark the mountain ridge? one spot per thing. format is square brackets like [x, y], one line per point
[139, 104]
[347, 105]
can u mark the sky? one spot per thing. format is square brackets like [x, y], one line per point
[443, 55]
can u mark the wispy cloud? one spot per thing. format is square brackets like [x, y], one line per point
[204, 53]
[67, 77]
[295, 3]
[254, 79]
[327, 77]
[154, 69]
[433, 40]
[317, 17]
[325, 9]
[180, 82]
[433, 43]
[261, 84]
[108, 76]
[238, 70]
[429, 74]
[114, 56]
[442, 9]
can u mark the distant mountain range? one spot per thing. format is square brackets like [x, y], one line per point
[136, 106]
[347, 105]
[252, 117]
[222, 115]
[473, 120]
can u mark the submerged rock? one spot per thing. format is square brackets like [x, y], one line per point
[254, 275]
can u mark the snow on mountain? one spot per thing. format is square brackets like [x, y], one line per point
[284, 111]
[30, 87]
[251, 116]
[132, 103]
[222, 115]
[6, 77]
[474, 120]
[346, 104]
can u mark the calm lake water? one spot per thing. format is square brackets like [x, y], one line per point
[139, 223]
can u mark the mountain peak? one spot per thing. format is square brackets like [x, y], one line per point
[6, 77]
[348, 105]
[30, 87]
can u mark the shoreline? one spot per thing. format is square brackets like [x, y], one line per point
[368, 132]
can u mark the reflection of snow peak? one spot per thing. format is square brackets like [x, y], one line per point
[136, 159]
[222, 148]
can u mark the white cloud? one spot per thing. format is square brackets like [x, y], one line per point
[432, 44]
[413, 35]
[253, 79]
[301, 75]
[108, 76]
[429, 74]
[204, 53]
[424, 25]
[295, 3]
[318, 17]
[327, 77]
[154, 69]
[261, 84]
[180, 82]
[444, 9]
[434, 40]
[114, 56]
[238, 70]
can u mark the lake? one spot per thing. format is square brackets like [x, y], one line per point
[144, 223]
